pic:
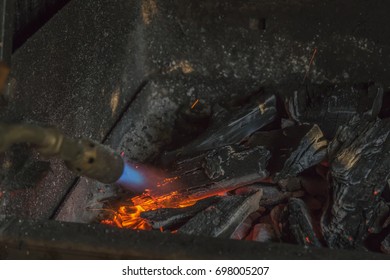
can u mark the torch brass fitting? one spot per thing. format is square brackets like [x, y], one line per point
[83, 156]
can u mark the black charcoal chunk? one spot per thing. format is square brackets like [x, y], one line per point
[299, 223]
[168, 218]
[310, 151]
[331, 106]
[359, 170]
[235, 128]
[222, 219]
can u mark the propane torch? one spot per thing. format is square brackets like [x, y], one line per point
[82, 156]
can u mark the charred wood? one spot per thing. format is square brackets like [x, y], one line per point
[222, 219]
[298, 224]
[168, 218]
[331, 106]
[359, 170]
[293, 149]
[221, 170]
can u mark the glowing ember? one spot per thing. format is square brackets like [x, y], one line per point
[129, 216]
[194, 104]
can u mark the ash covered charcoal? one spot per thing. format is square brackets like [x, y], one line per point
[168, 218]
[229, 130]
[359, 170]
[331, 106]
[263, 233]
[298, 226]
[221, 169]
[293, 149]
[222, 219]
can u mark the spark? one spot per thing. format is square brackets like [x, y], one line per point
[194, 104]
[310, 63]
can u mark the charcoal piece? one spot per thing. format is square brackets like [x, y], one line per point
[168, 218]
[227, 161]
[331, 106]
[359, 170]
[245, 227]
[385, 245]
[293, 149]
[299, 224]
[235, 128]
[222, 219]
[272, 195]
[310, 151]
[220, 170]
[263, 233]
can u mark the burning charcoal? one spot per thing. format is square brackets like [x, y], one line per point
[168, 218]
[263, 233]
[359, 170]
[331, 106]
[234, 129]
[223, 218]
[293, 149]
[300, 224]
[245, 227]
[221, 170]
[385, 245]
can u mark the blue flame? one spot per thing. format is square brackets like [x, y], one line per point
[132, 178]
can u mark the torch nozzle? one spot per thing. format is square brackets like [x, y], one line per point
[83, 156]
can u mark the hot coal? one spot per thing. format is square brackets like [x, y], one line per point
[298, 224]
[221, 219]
[331, 106]
[168, 218]
[359, 170]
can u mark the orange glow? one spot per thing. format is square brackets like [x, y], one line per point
[194, 104]
[128, 215]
